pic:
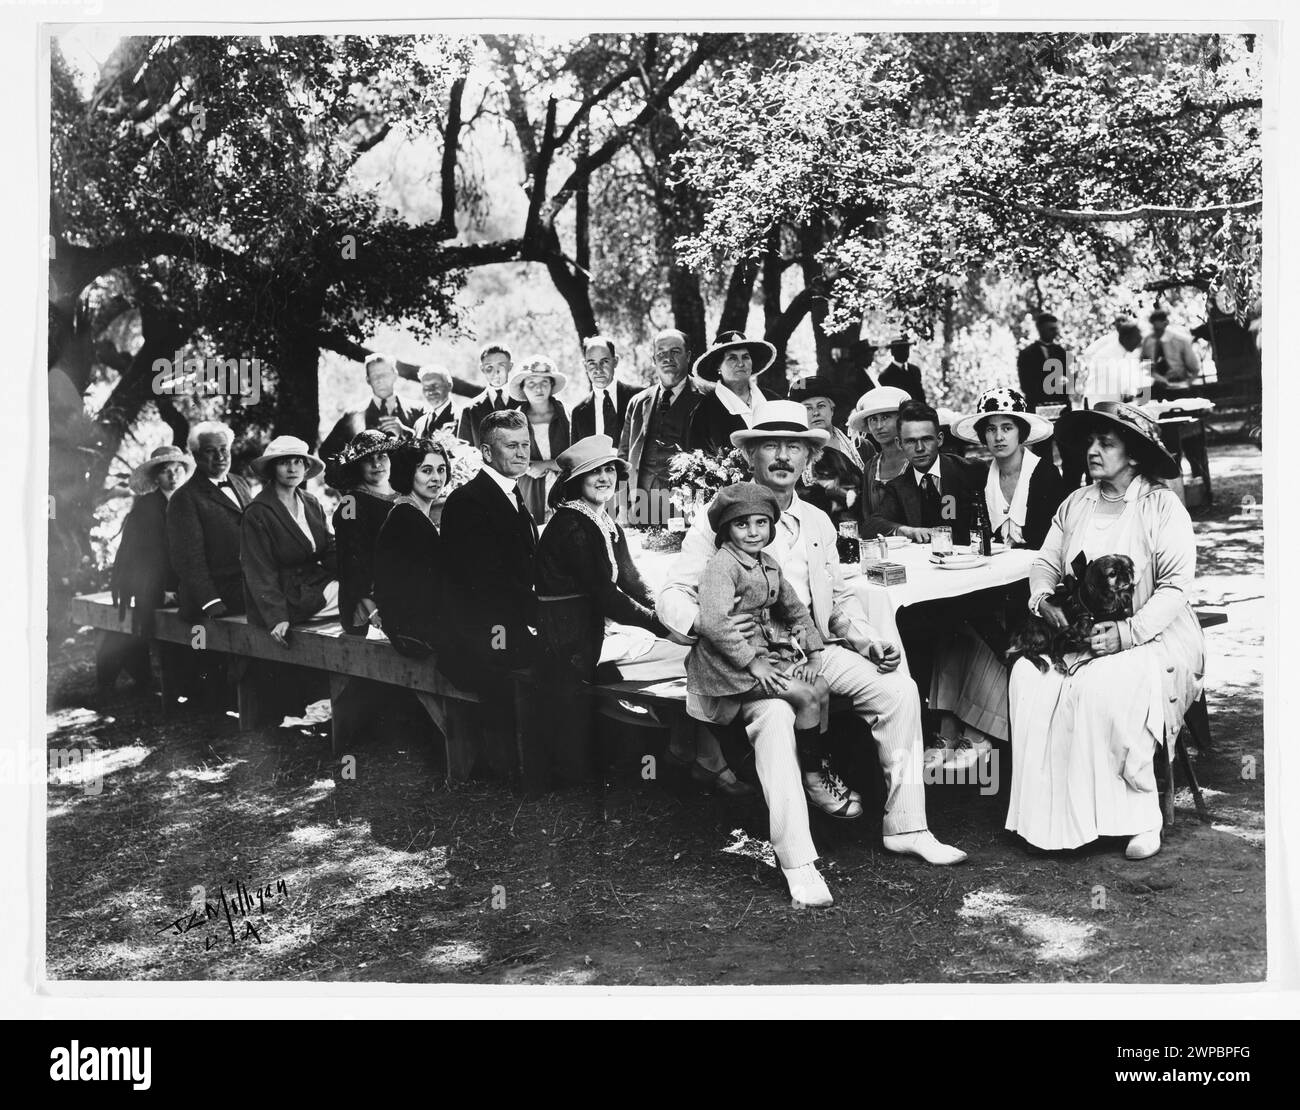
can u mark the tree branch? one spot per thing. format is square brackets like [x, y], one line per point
[1091, 216]
[708, 46]
[584, 109]
[515, 98]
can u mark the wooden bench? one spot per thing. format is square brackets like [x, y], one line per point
[323, 646]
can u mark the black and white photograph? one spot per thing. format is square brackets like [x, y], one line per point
[662, 506]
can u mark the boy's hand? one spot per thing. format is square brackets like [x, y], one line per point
[770, 680]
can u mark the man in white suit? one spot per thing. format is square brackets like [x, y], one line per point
[780, 445]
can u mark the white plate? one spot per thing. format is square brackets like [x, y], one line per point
[997, 548]
[948, 564]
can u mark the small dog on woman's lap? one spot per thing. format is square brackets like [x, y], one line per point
[1101, 590]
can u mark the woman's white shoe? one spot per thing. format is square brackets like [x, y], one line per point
[1144, 845]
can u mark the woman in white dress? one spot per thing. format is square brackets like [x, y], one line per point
[1084, 742]
[535, 383]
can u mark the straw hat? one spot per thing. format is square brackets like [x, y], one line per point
[882, 399]
[762, 353]
[286, 447]
[1002, 401]
[535, 368]
[780, 420]
[588, 454]
[145, 476]
[1073, 428]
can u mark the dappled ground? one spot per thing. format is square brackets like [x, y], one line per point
[391, 876]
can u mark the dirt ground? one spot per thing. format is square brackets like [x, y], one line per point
[379, 872]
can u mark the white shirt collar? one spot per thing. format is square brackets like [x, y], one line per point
[732, 402]
[676, 390]
[934, 469]
[508, 485]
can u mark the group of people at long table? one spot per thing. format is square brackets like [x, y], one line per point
[527, 568]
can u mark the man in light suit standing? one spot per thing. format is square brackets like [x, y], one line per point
[1175, 365]
[779, 446]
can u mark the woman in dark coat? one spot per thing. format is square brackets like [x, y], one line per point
[360, 471]
[585, 578]
[286, 549]
[409, 577]
[734, 363]
[142, 574]
[535, 384]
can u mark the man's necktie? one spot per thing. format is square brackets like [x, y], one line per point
[498, 400]
[523, 512]
[610, 414]
[930, 494]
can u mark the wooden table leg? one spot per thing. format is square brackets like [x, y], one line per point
[457, 729]
[251, 707]
[342, 730]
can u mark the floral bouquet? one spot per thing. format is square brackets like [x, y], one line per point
[694, 477]
[466, 460]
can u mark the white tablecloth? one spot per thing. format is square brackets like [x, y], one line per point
[925, 582]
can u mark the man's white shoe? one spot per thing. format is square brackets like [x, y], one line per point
[924, 845]
[808, 889]
[1144, 845]
[826, 790]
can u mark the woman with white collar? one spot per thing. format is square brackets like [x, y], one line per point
[734, 363]
[1022, 494]
[1023, 489]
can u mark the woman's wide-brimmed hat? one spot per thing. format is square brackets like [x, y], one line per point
[286, 447]
[365, 444]
[741, 500]
[535, 368]
[780, 420]
[1002, 401]
[372, 441]
[145, 476]
[1073, 428]
[582, 458]
[760, 351]
[818, 386]
[876, 402]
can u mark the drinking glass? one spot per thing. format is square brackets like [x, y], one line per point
[941, 541]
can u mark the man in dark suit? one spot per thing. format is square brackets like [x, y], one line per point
[489, 540]
[602, 412]
[441, 414]
[203, 521]
[495, 362]
[901, 373]
[386, 410]
[1041, 367]
[936, 490]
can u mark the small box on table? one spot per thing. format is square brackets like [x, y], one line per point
[886, 574]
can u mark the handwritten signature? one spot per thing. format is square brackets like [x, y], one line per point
[239, 904]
